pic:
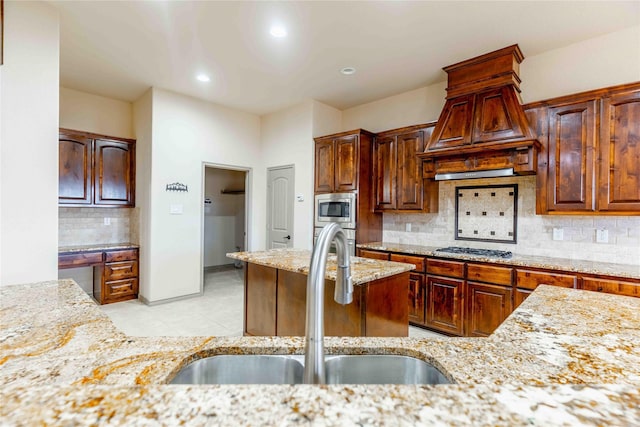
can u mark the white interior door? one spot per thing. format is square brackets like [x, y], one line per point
[280, 186]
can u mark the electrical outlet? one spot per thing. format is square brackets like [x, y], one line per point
[602, 235]
[558, 233]
[107, 221]
[407, 227]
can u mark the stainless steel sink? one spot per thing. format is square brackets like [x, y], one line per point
[242, 369]
[381, 369]
[288, 369]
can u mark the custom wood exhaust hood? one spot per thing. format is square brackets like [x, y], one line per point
[482, 126]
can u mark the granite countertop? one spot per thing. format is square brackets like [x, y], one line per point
[563, 357]
[363, 270]
[96, 248]
[564, 264]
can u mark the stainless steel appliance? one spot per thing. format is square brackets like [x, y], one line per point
[336, 207]
[349, 233]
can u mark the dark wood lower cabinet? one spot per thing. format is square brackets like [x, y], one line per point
[275, 304]
[417, 292]
[519, 296]
[487, 307]
[445, 304]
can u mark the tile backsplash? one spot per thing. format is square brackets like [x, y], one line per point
[535, 232]
[86, 226]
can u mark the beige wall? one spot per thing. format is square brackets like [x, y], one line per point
[590, 64]
[29, 148]
[286, 139]
[185, 134]
[97, 114]
[326, 119]
[603, 61]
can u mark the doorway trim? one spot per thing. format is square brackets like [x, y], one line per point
[248, 191]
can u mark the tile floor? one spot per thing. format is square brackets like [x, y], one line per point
[217, 313]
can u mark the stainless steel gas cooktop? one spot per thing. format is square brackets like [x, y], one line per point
[491, 253]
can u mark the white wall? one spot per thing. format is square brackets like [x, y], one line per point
[97, 114]
[287, 140]
[29, 135]
[143, 125]
[185, 133]
[603, 61]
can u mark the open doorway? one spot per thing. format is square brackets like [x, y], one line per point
[224, 216]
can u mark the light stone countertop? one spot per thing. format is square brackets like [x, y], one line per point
[97, 247]
[363, 270]
[550, 263]
[563, 357]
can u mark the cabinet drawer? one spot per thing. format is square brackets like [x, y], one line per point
[531, 279]
[365, 253]
[125, 255]
[611, 286]
[120, 270]
[120, 288]
[418, 261]
[445, 268]
[489, 274]
[79, 260]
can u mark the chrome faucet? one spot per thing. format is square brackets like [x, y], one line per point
[314, 326]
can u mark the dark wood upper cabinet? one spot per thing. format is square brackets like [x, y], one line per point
[95, 170]
[339, 161]
[619, 180]
[346, 166]
[384, 172]
[75, 159]
[589, 162]
[397, 171]
[325, 166]
[114, 173]
[572, 139]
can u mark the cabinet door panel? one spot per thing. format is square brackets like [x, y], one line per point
[618, 287]
[416, 298]
[260, 300]
[489, 274]
[531, 279]
[74, 169]
[418, 261]
[487, 307]
[384, 172]
[365, 253]
[619, 180]
[409, 173]
[571, 157]
[346, 171]
[453, 126]
[114, 174]
[324, 166]
[445, 304]
[120, 289]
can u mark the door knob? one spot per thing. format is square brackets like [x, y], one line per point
[288, 237]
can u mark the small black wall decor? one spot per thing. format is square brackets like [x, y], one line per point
[487, 213]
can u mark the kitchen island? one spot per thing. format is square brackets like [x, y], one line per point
[564, 357]
[276, 290]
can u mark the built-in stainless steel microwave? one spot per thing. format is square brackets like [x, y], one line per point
[336, 207]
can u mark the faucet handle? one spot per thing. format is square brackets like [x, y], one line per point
[344, 285]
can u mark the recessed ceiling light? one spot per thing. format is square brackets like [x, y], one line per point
[347, 71]
[203, 78]
[278, 31]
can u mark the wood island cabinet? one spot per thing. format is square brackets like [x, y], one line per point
[95, 170]
[398, 179]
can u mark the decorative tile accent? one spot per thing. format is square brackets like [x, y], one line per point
[490, 215]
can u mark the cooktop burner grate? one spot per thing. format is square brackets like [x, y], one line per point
[471, 251]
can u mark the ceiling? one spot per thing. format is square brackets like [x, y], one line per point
[119, 49]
